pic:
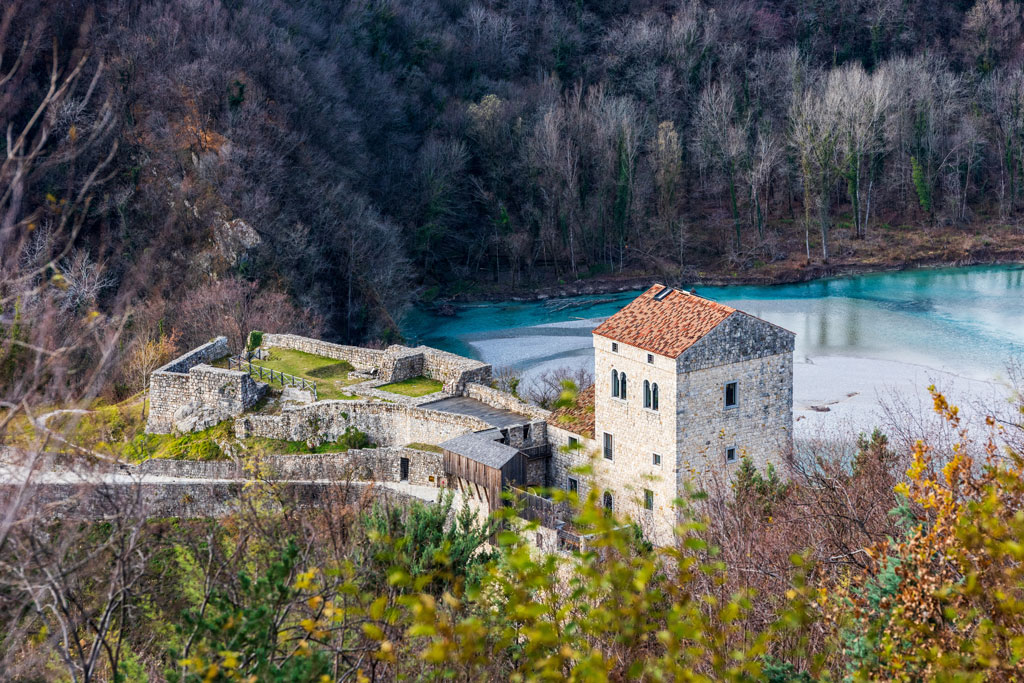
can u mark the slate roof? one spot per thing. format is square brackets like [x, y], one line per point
[578, 418]
[667, 327]
[482, 447]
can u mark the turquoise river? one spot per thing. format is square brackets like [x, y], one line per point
[858, 338]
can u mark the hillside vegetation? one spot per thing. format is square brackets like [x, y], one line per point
[224, 166]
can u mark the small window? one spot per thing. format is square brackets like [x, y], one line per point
[615, 347]
[574, 485]
[654, 396]
[650, 358]
[656, 460]
[574, 443]
[731, 395]
[647, 394]
[730, 454]
[607, 501]
[648, 499]
[609, 447]
[615, 383]
[622, 386]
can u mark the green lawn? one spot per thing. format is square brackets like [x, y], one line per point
[330, 375]
[414, 386]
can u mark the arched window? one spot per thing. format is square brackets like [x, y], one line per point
[607, 501]
[622, 386]
[615, 383]
[654, 396]
[647, 394]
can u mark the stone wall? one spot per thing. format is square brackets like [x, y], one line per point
[452, 370]
[368, 464]
[187, 395]
[401, 363]
[501, 399]
[759, 427]
[564, 459]
[210, 351]
[360, 358]
[387, 424]
[188, 499]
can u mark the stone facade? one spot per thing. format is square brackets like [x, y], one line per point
[187, 395]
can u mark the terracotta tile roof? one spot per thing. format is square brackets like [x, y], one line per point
[667, 327]
[578, 419]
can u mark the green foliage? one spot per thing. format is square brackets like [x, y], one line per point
[254, 341]
[763, 492]
[419, 542]
[237, 635]
[921, 184]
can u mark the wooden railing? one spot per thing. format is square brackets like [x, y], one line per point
[271, 375]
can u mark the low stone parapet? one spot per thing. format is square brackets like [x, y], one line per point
[364, 464]
[360, 358]
[387, 424]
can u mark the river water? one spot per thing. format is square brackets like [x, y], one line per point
[859, 338]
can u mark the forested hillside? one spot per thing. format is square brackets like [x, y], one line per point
[318, 165]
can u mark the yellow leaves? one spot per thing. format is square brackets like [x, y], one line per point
[315, 602]
[229, 659]
[304, 581]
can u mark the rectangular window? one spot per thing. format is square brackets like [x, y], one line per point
[656, 460]
[648, 499]
[731, 395]
[650, 358]
[730, 454]
[608, 447]
[615, 347]
[574, 486]
[574, 443]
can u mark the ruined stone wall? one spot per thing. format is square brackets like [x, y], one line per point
[210, 351]
[186, 394]
[368, 464]
[452, 370]
[387, 424]
[504, 400]
[401, 363]
[360, 358]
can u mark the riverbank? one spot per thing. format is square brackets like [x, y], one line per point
[887, 249]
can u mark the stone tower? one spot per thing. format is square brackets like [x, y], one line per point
[684, 389]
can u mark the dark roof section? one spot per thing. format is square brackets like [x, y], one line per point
[482, 447]
[463, 405]
[664, 322]
[578, 418]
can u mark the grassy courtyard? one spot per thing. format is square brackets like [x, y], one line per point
[414, 386]
[330, 375]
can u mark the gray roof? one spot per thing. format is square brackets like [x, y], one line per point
[482, 447]
[463, 405]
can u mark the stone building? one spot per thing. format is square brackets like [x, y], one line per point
[684, 389]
